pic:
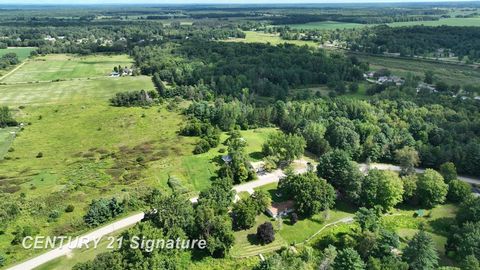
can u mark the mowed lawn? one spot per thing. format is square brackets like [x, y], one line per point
[21, 52]
[70, 91]
[64, 67]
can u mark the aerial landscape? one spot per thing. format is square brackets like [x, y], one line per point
[239, 135]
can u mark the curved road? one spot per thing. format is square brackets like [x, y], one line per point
[263, 179]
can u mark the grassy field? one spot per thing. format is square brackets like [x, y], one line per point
[7, 136]
[273, 39]
[64, 67]
[286, 233]
[449, 73]
[333, 25]
[70, 91]
[443, 21]
[90, 149]
[21, 52]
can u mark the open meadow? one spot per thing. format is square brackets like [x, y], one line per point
[333, 25]
[273, 39]
[21, 52]
[64, 67]
[75, 147]
[449, 73]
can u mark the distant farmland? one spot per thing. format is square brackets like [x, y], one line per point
[332, 25]
[22, 52]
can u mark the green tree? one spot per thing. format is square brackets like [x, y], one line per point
[469, 210]
[311, 194]
[348, 259]
[383, 188]
[458, 191]
[284, 146]
[340, 171]
[465, 241]
[215, 229]
[172, 212]
[107, 260]
[470, 263]
[265, 233]
[448, 171]
[243, 214]
[432, 190]
[429, 77]
[368, 219]
[420, 253]
[407, 158]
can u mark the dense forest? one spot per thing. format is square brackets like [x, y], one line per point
[421, 40]
[229, 68]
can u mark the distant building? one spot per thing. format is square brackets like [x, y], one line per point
[426, 87]
[281, 209]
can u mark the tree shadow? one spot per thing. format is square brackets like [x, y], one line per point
[252, 239]
[256, 155]
[442, 225]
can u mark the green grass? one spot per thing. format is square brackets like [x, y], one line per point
[71, 123]
[7, 136]
[70, 91]
[333, 25]
[449, 73]
[61, 66]
[445, 21]
[79, 255]
[246, 245]
[21, 52]
[273, 39]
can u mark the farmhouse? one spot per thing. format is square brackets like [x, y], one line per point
[281, 209]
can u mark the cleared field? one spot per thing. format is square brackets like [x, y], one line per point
[21, 52]
[62, 67]
[445, 21]
[73, 90]
[273, 39]
[326, 25]
[449, 73]
[333, 25]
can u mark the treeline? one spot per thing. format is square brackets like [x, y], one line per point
[230, 68]
[361, 19]
[368, 130]
[8, 59]
[420, 40]
[134, 98]
[6, 118]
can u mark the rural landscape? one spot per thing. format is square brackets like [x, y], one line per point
[341, 136]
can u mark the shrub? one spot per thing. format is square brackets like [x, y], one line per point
[69, 208]
[39, 155]
[265, 233]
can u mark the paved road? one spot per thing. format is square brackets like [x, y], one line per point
[66, 249]
[264, 179]
[383, 166]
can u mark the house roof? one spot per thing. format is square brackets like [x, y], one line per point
[281, 207]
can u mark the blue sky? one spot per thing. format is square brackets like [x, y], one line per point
[202, 1]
